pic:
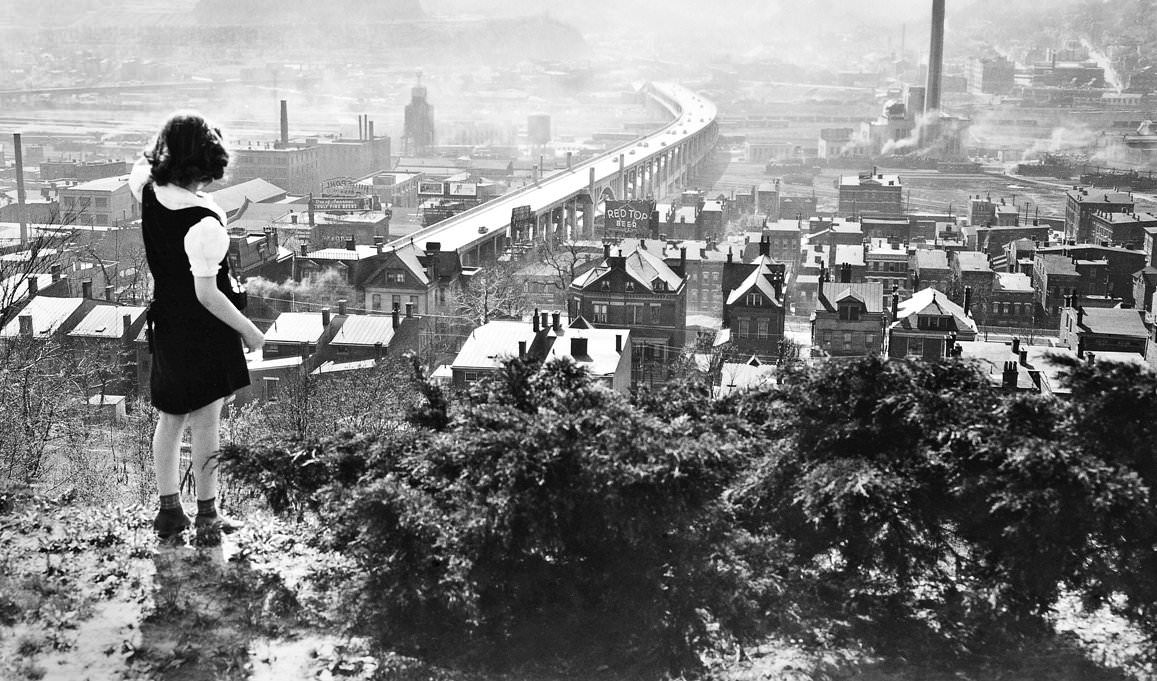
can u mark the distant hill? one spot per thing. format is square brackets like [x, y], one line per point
[232, 12]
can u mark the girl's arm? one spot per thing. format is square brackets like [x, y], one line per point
[206, 244]
[219, 306]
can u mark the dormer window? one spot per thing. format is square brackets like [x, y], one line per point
[630, 286]
[606, 285]
[754, 300]
[850, 313]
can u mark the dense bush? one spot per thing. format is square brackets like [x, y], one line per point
[909, 506]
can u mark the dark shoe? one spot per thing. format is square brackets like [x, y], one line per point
[170, 522]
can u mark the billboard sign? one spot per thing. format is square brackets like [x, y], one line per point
[428, 188]
[463, 189]
[324, 203]
[628, 218]
[522, 220]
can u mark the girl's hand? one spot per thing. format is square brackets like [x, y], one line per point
[253, 339]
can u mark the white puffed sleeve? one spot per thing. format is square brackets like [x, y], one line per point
[141, 172]
[206, 244]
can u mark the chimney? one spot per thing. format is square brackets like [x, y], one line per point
[1080, 315]
[521, 349]
[544, 321]
[395, 315]
[1009, 376]
[55, 270]
[895, 305]
[409, 310]
[729, 255]
[284, 123]
[304, 250]
[126, 324]
[569, 159]
[823, 273]
[33, 285]
[968, 300]
[86, 288]
[26, 325]
[108, 292]
[764, 246]
[433, 246]
[682, 259]
[935, 58]
[606, 251]
[341, 306]
[378, 245]
[325, 317]
[1016, 346]
[1090, 358]
[1023, 357]
[378, 347]
[578, 347]
[351, 243]
[534, 321]
[370, 130]
[556, 321]
[618, 342]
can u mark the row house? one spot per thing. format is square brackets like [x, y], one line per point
[1102, 330]
[639, 292]
[1126, 228]
[849, 319]
[1081, 204]
[754, 310]
[992, 240]
[321, 343]
[1011, 301]
[930, 270]
[871, 193]
[1120, 263]
[605, 353]
[970, 269]
[701, 263]
[926, 325]
[886, 264]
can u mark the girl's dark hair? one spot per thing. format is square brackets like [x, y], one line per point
[188, 150]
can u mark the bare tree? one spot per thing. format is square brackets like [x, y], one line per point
[494, 292]
[566, 261]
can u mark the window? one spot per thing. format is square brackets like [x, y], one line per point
[101, 202]
[396, 302]
[606, 285]
[630, 286]
[395, 277]
[634, 314]
[655, 310]
[827, 339]
[916, 347]
[754, 300]
[270, 384]
[600, 313]
[847, 341]
[414, 302]
[377, 301]
[850, 313]
[744, 328]
[761, 329]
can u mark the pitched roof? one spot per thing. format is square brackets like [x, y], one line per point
[105, 321]
[871, 294]
[254, 191]
[756, 281]
[640, 265]
[295, 327]
[361, 329]
[1112, 321]
[929, 301]
[487, 345]
[331, 367]
[601, 358]
[47, 315]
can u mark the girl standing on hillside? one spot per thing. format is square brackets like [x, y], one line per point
[195, 326]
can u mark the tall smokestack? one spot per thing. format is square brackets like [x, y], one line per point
[370, 130]
[20, 205]
[935, 58]
[284, 123]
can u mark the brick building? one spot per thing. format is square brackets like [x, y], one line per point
[872, 193]
[925, 325]
[849, 319]
[754, 309]
[1081, 204]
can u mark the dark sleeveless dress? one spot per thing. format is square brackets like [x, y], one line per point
[197, 358]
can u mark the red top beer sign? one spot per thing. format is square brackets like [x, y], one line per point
[628, 218]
